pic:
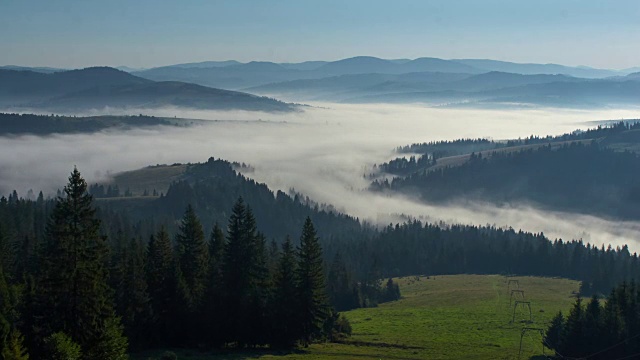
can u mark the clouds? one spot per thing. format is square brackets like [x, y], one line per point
[323, 153]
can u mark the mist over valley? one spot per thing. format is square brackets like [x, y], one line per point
[295, 180]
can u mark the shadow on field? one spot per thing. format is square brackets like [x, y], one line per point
[195, 354]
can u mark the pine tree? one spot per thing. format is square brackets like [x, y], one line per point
[192, 255]
[192, 271]
[260, 289]
[313, 304]
[161, 283]
[553, 336]
[573, 337]
[592, 326]
[135, 307]
[11, 341]
[285, 316]
[213, 298]
[235, 277]
[73, 294]
[245, 279]
[340, 287]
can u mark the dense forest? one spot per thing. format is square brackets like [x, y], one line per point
[368, 253]
[577, 177]
[128, 263]
[423, 156]
[69, 292]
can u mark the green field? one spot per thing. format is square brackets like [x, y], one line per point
[444, 317]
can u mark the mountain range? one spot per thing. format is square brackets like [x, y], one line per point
[235, 75]
[362, 79]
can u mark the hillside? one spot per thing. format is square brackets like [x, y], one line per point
[212, 188]
[19, 87]
[578, 177]
[164, 94]
[98, 88]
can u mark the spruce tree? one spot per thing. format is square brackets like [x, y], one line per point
[313, 305]
[135, 306]
[573, 338]
[192, 262]
[592, 326]
[235, 277]
[192, 255]
[285, 315]
[73, 294]
[553, 335]
[11, 341]
[213, 298]
[161, 282]
[245, 279]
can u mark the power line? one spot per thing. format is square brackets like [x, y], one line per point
[613, 346]
[628, 357]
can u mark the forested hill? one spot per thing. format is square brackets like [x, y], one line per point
[576, 176]
[17, 124]
[212, 188]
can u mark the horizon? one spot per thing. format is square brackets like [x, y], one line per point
[135, 68]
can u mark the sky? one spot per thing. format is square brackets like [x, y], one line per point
[148, 33]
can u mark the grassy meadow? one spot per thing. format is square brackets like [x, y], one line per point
[441, 317]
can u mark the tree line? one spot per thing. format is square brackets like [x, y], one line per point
[425, 155]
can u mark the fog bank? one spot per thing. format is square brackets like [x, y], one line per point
[322, 152]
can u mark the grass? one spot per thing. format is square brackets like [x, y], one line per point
[443, 317]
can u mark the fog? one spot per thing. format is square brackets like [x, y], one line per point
[322, 152]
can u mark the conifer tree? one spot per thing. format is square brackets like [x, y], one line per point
[73, 293]
[216, 250]
[135, 306]
[553, 335]
[192, 257]
[339, 286]
[213, 298]
[192, 262]
[245, 278]
[592, 325]
[313, 304]
[573, 337]
[285, 315]
[11, 346]
[260, 290]
[235, 277]
[161, 282]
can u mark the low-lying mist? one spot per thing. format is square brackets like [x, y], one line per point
[322, 152]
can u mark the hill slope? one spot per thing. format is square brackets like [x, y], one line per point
[97, 88]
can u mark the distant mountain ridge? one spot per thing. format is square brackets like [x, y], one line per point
[361, 79]
[105, 87]
[236, 75]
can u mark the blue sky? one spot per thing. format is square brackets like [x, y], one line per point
[145, 33]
